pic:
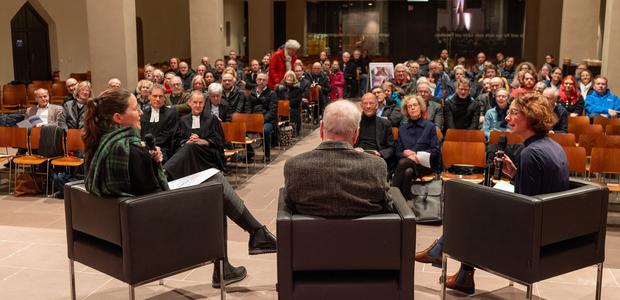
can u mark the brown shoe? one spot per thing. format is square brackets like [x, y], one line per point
[426, 258]
[462, 281]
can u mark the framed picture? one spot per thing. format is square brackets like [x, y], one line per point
[380, 73]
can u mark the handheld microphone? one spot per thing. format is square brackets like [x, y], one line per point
[499, 157]
[149, 140]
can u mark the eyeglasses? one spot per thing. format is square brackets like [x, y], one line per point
[412, 105]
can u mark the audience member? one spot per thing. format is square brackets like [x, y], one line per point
[336, 80]
[360, 178]
[602, 102]
[375, 133]
[71, 84]
[214, 105]
[50, 114]
[160, 121]
[173, 63]
[402, 84]
[265, 102]
[186, 75]
[198, 84]
[158, 76]
[387, 108]
[585, 83]
[570, 97]
[462, 111]
[178, 97]
[445, 60]
[414, 70]
[508, 69]
[495, 118]
[281, 62]
[361, 65]
[551, 94]
[434, 110]
[142, 93]
[417, 147]
[349, 71]
[318, 80]
[555, 78]
[527, 83]
[250, 77]
[289, 89]
[114, 83]
[74, 110]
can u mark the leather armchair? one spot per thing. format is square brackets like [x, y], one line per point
[365, 258]
[525, 239]
[143, 239]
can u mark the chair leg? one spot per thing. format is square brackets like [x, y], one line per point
[528, 293]
[132, 293]
[599, 280]
[511, 283]
[161, 282]
[444, 269]
[72, 278]
[10, 168]
[222, 284]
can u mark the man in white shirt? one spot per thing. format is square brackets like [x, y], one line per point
[48, 113]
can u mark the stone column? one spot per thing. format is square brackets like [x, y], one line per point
[611, 46]
[260, 27]
[206, 25]
[542, 30]
[580, 30]
[296, 23]
[112, 42]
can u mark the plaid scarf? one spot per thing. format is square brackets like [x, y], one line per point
[108, 174]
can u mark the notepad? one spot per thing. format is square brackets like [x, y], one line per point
[193, 179]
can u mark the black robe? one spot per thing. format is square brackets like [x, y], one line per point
[164, 130]
[192, 158]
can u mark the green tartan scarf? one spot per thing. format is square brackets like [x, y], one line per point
[108, 174]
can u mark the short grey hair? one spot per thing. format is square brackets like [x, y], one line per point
[158, 87]
[215, 88]
[555, 91]
[197, 93]
[342, 118]
[292, 44]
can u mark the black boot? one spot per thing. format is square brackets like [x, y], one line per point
[262, 241]
[231, 274]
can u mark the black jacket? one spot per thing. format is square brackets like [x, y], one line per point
[234, 101]
[164, 130]
[349, 70]
[461, 113]
[385, 139]
[266, 103]
[322, 80]
[292, 93]
[222, 113]
[392, 113]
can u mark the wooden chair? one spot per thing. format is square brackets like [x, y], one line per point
[608, 141]
[254, 123]
[606, 161]
[59, 92]
[588, 129]
[395, 133]
[234, 133]
[612, 129]
[564, 139]
[283, 116]
[511, 137]
[574, 122]
[465, 135]
[10, 138]
[587, 136]
[576, 159]
[34, 137]
[73, 143]
[603, 121]
[439, 134]
[470, 154]
[14, 97]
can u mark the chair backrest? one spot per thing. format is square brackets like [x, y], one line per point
[74, 140]
[59, 89]
[611, 129]
[14, 137]
[576, 158]
[608, 141]
[605, 160]
[574, 122]
[234, 132]
[253, 122]
[284, 110]
[395, 133]
[588, 140]
[510, 137]
[564, 139]
[463, 153]
[34, 138]
[14, 95]
[603, 121]
[465, 135]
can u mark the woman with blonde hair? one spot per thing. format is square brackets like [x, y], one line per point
[415, 136]
[198, 83]
[142, 93]
[289, 89]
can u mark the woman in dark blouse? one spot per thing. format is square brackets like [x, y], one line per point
[115, 153]
[570, 96]
[542, 168]
[416, 135]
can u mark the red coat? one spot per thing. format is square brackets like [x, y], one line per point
[337, 82]
[277, 68]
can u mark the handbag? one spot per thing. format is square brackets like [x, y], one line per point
[286, 135]
[427, 202]
[29, 184]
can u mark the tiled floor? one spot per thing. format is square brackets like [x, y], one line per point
[33, 262]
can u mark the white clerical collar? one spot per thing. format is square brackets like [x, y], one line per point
[195, 122]
[154, 115]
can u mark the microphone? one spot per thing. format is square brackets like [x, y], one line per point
[149, 140]
[499, 157]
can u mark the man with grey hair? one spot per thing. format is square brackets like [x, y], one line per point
[552, 94]
[159, 120]
[114, 83]
[349, 70]
[178, 97]
[71, 84]
[214, 104]
[50, 114]
[354, 184]
[281, 62]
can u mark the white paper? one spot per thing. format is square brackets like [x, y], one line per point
[504, 186]
[424, 158]
[193, 179]
[30, 122]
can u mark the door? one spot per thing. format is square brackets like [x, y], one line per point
[31, 48]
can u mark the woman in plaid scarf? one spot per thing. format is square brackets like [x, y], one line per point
[115, 153]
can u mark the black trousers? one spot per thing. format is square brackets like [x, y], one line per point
[406, 172]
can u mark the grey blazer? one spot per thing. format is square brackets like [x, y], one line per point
[53, 115]
[435, 113]
[334, 180]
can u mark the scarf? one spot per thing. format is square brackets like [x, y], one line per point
[585, 88]
[108, 174]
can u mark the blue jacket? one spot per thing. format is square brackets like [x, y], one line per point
[599, 104]
[491, 122]
[418, 135]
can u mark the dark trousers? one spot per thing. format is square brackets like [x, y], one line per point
[350, 88]
[406, 172]
[296, 119]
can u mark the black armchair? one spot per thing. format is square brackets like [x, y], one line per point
[525, 239]
[363, 258]
[143, 239]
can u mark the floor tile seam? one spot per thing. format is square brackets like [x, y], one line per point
[613, 276]
[97, 288]
[16, 252]
[19, 269]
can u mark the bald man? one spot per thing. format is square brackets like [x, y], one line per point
[318, 79]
